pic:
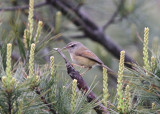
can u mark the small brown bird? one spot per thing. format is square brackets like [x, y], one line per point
[82, 56]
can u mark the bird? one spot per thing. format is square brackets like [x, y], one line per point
[82, 56]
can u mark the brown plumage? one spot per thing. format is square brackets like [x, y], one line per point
[82, 56]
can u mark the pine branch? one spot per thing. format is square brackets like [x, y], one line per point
[82, 85]
[115, 14]
[90, 29]
[9, 103]
[44, 101]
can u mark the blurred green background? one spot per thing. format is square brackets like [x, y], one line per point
[126, 33]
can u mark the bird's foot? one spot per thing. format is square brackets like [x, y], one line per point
[85, 71]
[81, 68]
[79, 65]
[76, 65]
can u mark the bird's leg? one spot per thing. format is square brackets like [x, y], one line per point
[86, 71]
[78, 66]
[82, 67]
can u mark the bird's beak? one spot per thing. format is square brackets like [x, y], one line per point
[64, 48]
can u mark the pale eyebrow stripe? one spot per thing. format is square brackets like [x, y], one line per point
[71, 44]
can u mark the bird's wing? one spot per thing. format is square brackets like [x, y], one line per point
[90, 55]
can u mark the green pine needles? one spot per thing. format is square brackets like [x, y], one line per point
[120, 83]
[31, 61]
[153, 63]
[8, 81]
[38, 33]
[8, 63]
[58, 22]
[123, 96]
[31, 87]
[52, 65]
[105, 87]
[30, 20]
[144, 81]
[28, 36]
[32, 93]
[73, 100]
[28, 86]
[145, 49]
[127, 100]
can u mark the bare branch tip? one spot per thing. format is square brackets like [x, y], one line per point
[56, 49]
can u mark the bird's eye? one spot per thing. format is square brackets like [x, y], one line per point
[72, 45]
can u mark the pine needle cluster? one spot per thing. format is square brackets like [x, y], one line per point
[144, 81]
[29, 87]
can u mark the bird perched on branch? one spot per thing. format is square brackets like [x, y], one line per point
[82, 56]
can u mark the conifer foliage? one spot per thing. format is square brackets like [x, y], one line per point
[28, 87]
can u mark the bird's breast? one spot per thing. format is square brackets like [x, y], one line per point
[82, 61]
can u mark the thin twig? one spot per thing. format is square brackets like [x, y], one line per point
[9, 103]
[82, 85]
[44, 101]
[113, 17]
[23, 7]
